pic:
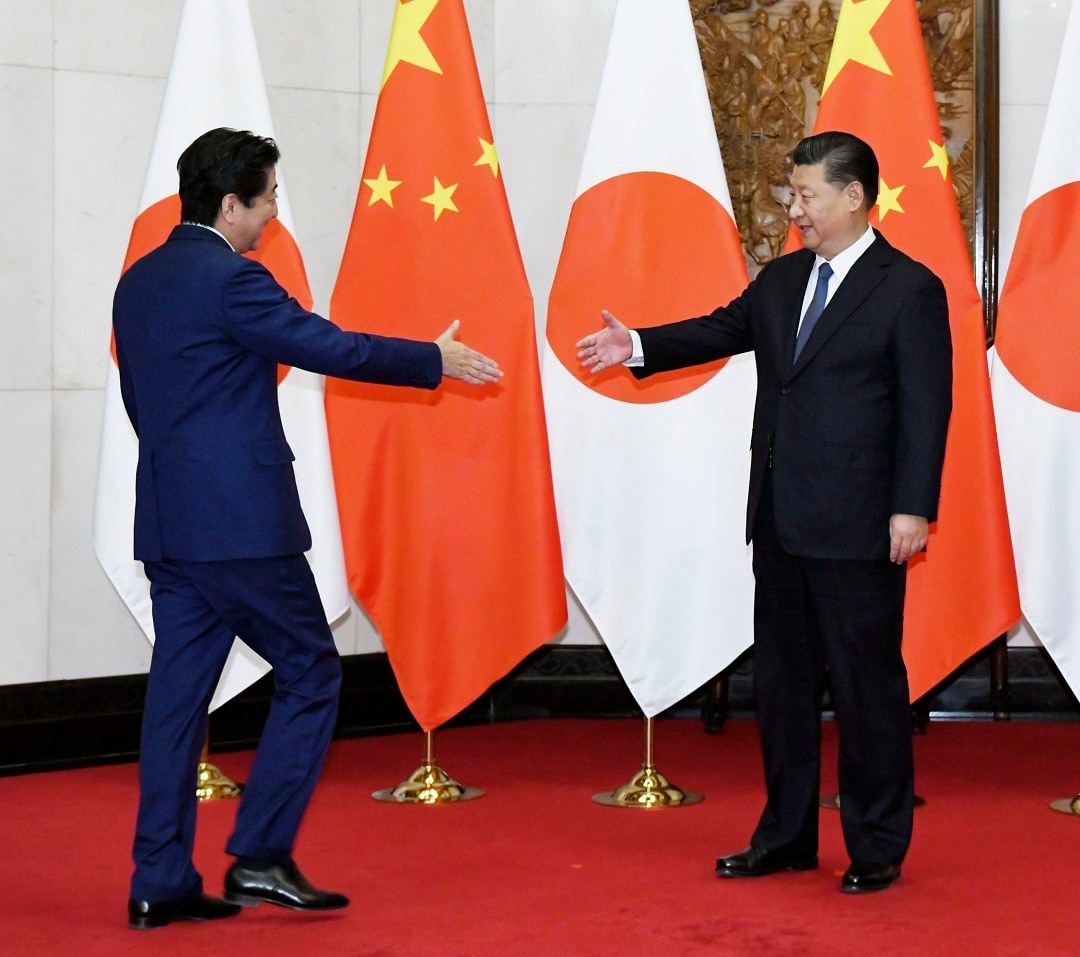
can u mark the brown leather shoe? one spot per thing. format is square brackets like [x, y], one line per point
[755, 862]
[142, 915]
[864, 878]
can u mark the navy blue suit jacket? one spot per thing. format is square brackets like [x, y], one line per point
[200, 331]
[857, 426]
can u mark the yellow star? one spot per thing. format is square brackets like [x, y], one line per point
[381, 188]
[853, 42]
[406, 44]
[488, 157]
[888, 199]
[938, 158]
[441, 198]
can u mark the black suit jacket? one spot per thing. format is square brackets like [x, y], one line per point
[856, 428]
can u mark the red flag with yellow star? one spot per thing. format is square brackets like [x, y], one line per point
[446, 501]
[962, 591]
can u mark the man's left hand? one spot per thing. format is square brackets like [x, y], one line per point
[907, 536]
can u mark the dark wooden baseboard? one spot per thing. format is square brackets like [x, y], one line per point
[63, 724]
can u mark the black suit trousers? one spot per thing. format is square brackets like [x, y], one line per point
[843, 617]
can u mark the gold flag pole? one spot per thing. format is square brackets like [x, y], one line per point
[211, 784]
[1067, 805]
[648, 788]
[428, 784]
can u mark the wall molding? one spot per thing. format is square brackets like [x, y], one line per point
[63, 724]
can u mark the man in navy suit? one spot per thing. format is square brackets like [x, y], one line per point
[200, 331]
[854, 391]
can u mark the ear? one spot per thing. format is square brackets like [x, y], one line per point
[855, 194]
[229, 202]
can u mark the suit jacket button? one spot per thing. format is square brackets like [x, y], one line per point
[785, 391]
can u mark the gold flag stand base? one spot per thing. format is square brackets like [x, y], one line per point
[213, 785]
[429, 784]
[1067, 805]
[648, 788]
[832, 801]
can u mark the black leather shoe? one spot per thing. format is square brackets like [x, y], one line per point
[754, 862]
[142, 915]
[282, 884]
[862, 878]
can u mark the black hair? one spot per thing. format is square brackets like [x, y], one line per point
[220, 162]
[847, 159]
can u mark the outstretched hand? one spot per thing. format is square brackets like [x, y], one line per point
[609, 347]
[461, 362]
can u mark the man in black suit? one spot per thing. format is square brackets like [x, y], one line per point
[854, 364]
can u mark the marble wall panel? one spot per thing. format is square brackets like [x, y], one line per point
[376, 21]
[104, 131]
[131, 37]
[367, 638]
[312, 46]
[25, 468]
[1023, 124]
[319, 136]
[1031, 36]
[540, 150]
[26, 33]
[1031, 32]
[551, 52]
[481, 15]
[91, 632]
[26, 241]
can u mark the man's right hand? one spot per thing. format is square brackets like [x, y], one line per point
[461, 362]
[609, 347]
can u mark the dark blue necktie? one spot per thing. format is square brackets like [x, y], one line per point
[816, 308]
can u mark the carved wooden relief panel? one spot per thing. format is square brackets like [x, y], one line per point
[764, 63]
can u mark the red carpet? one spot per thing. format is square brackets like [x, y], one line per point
[536, 869]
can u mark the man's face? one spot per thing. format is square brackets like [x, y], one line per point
[829, 217]
[251, 220]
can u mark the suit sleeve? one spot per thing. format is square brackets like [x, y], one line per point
[127, 391]
[264, 318]
[923, 358]
[127, 388]
[726, 331]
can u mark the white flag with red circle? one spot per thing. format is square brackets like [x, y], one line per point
[1034, 377]
[651, 476]
[215, 79]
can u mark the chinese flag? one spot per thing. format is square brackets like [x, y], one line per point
[445, 497]
[215, 79]
[962, 591]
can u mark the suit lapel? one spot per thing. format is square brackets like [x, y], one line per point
[864, 276]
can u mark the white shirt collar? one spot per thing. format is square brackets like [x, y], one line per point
[211, 228]
[843, 261]
[841, 265]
